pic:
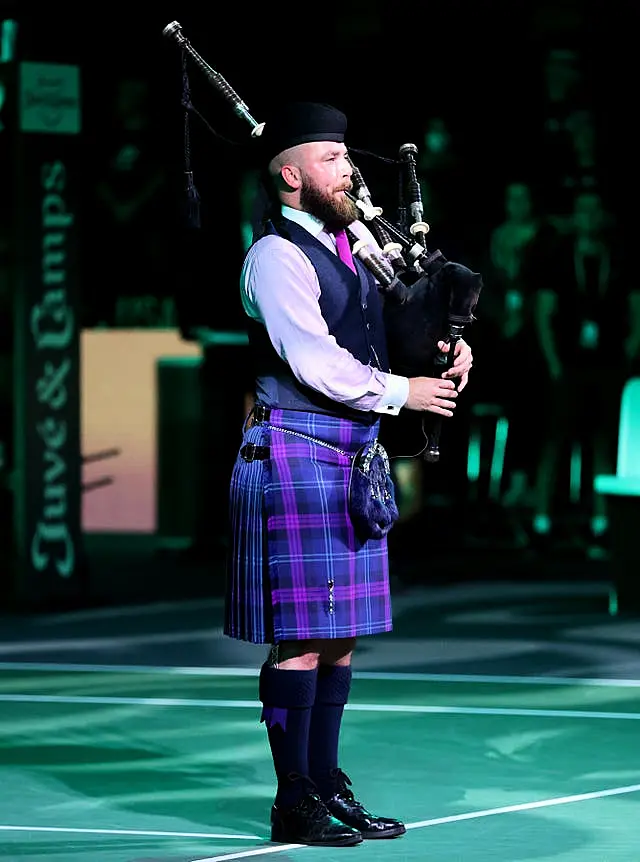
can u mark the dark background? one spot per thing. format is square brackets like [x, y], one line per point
[392, 68]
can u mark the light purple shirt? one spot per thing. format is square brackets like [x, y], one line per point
[280, 288]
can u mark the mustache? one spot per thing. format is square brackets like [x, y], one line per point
[346, 188]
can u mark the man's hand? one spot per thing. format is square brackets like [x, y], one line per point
[461, 364]
[432, 394]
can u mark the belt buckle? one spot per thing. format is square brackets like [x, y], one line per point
[248, 452]
[262, 413]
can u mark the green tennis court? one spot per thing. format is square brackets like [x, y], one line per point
[130, 763]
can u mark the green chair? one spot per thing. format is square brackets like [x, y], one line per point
[622, 491]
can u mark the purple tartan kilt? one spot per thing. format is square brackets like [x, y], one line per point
[291, 535]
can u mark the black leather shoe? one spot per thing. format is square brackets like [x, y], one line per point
[345, 807]
[309, 822]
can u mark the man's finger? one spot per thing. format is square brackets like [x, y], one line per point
[457, 372]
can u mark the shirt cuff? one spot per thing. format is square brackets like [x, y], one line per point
[395, 395]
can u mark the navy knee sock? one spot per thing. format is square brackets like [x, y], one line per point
[287, 697]
[332, 693]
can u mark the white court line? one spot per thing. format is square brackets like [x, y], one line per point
[454, 818]
[143, 833]
[262, 851]
[374, 675]
[352, 707]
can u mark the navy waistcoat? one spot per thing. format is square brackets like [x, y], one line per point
[352, 309]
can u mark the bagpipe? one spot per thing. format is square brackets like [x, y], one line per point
[426, 298]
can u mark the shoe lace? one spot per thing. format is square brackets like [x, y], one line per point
[343, 783]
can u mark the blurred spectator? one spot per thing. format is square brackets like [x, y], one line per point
[587, 321]
[506, 330]
[568, 154]
[442, 184]
[437, 152]
[582, 173]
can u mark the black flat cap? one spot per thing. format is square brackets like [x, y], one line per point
[300, 123]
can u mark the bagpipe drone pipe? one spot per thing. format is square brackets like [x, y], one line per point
[427, 298]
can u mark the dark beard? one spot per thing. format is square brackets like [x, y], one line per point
[336, 213]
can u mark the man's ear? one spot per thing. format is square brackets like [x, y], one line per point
[290, 176]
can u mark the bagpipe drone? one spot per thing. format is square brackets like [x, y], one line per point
[427, 298]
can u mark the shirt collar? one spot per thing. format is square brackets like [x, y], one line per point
[304, 219]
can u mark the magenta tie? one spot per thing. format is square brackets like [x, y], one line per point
[344, 249]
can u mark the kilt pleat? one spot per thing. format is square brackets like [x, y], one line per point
[296, 569]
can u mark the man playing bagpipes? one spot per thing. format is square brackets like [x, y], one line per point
[311, 499]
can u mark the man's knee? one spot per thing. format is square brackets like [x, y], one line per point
[296, 655]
